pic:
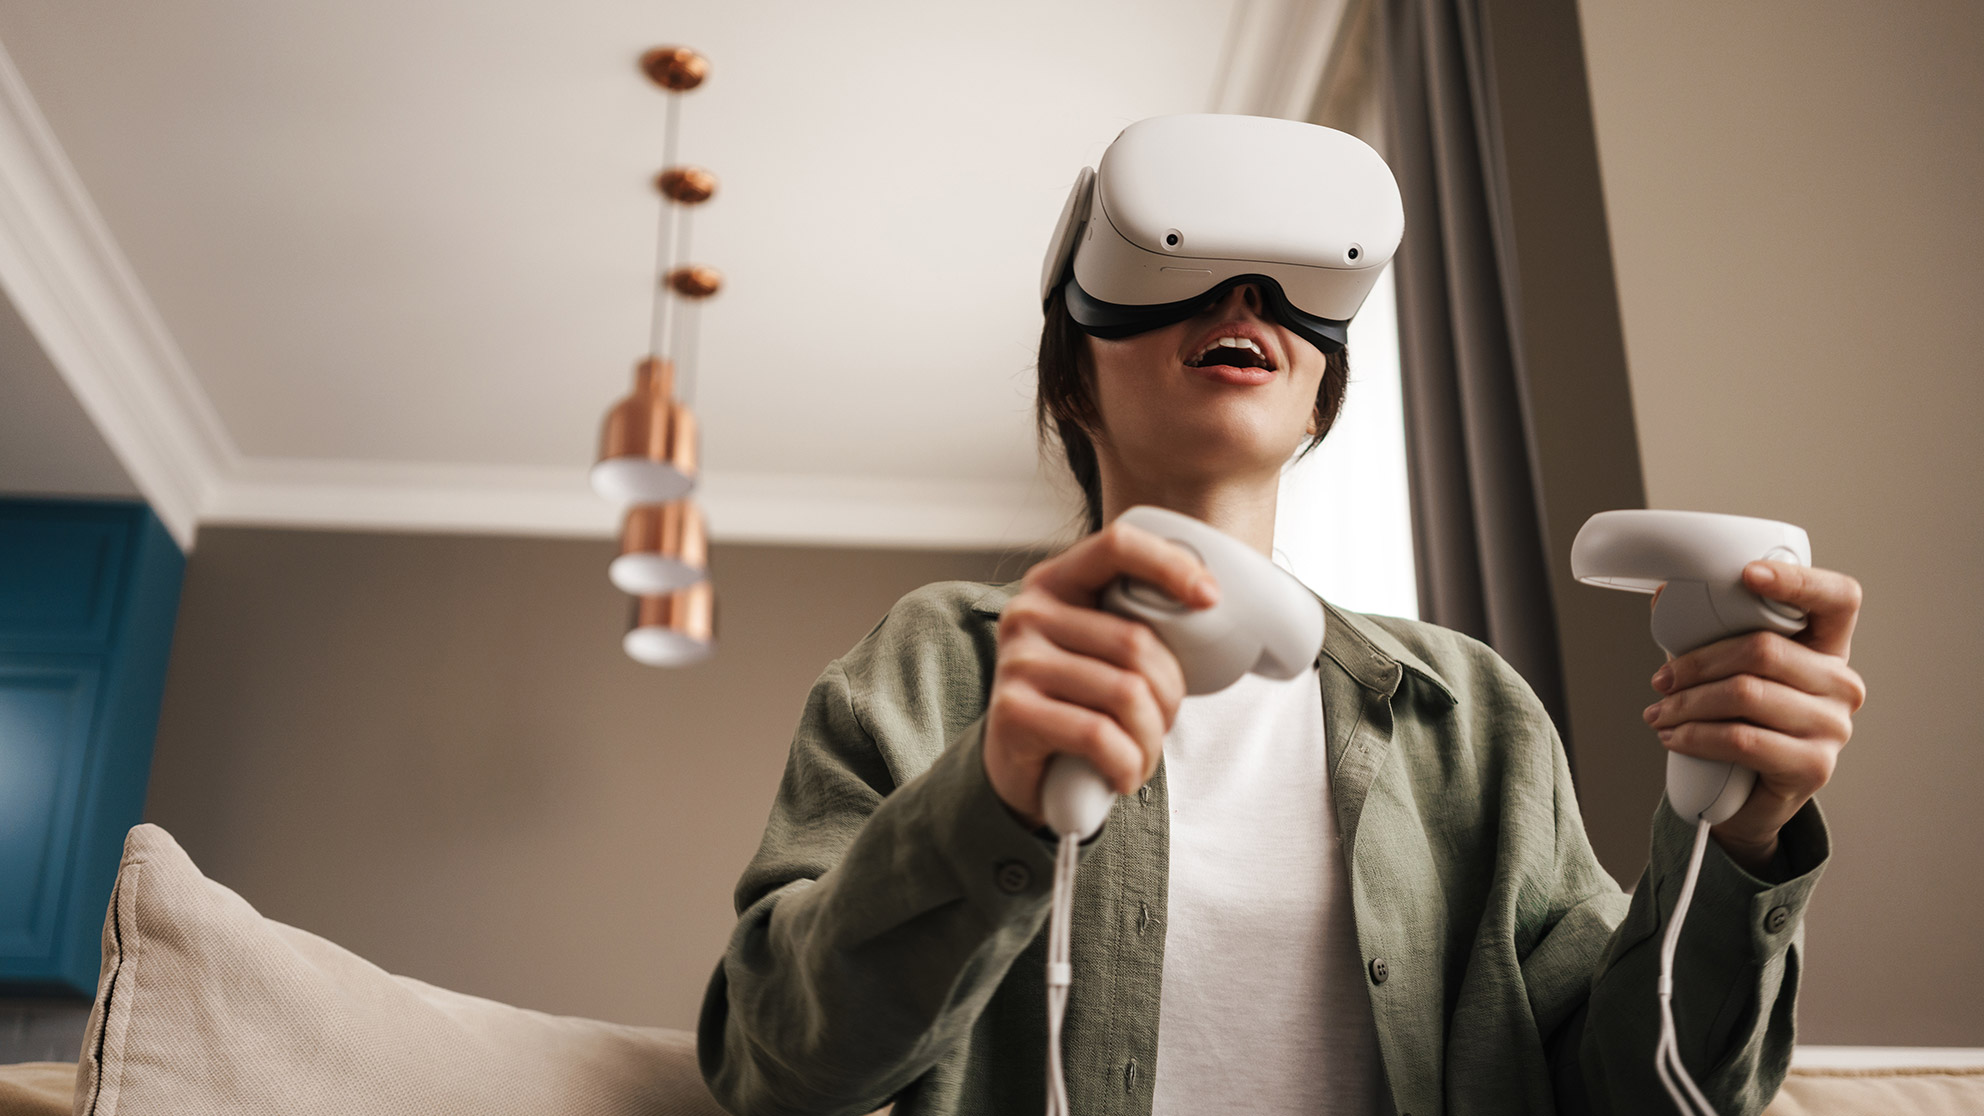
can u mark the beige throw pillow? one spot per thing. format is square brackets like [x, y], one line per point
[204, 1006]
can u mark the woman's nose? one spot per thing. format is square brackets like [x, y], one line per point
[1245, 294]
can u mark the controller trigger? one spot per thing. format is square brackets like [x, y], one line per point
[1144, 593]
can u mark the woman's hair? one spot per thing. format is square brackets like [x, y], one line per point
[1065, 401]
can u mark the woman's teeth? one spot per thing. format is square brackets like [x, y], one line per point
[1246, 344]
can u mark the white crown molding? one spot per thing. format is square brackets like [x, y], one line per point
[1275, 54]
[742, 507]
[74, 289]
[407, 496]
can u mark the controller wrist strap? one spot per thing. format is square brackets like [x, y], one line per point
[1681, 1088]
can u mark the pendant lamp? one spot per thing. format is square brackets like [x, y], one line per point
[674, 629]
[647, 448]
[663, 548]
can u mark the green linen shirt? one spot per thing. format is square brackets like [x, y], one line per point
[891, 937]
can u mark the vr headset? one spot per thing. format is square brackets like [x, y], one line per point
[1184, 208]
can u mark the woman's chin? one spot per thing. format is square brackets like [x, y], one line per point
[1215, 452]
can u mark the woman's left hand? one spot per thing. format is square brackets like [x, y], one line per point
[1780, 706]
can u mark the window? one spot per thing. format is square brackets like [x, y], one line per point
[1343, 520]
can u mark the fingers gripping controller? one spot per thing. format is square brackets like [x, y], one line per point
[1698, 557]
[1266, 622]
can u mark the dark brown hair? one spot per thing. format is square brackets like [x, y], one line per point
[1064, 404]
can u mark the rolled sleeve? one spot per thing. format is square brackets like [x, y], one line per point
[1003, 867]
[875, 922]
[1736, 971]
[1736, 918]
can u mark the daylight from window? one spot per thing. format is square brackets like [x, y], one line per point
[1343, 523]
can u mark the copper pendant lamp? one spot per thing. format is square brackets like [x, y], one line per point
[647, 448]
[676, 629]
[663, 548]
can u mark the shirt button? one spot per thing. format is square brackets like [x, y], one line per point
[1379, 970]
[1012, 876]
[1143, 794]
[1775, 920]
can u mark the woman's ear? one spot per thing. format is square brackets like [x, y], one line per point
[1315, 416]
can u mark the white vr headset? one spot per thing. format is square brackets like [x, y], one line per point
[1184, 208]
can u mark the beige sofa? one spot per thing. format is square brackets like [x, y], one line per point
[204, 1006]
[1898, 1081]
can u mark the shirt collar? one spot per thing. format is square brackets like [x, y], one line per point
[1365, 651]
[1374, 656]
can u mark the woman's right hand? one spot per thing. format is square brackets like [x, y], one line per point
[1072, 678]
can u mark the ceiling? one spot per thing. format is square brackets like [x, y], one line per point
[386, 264]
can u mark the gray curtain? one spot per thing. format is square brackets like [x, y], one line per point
[1477, 508]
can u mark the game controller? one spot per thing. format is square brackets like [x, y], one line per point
[1696, 560]
[1265, 622]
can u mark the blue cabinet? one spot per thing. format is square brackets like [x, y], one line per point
[88, 595]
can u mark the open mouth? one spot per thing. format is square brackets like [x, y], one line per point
[1235, 352]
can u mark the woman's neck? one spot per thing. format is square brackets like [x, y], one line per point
[1240, 506]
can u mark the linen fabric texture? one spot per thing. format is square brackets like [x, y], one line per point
[891, 933]
[204, 1006]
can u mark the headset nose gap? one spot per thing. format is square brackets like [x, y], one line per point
[1250, 296]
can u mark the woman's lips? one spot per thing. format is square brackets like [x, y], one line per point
[1234, 374]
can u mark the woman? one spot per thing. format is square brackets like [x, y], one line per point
[1399, 912]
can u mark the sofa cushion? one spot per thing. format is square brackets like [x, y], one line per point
[1917, 1091]
[37, 1088]
[204, 1006]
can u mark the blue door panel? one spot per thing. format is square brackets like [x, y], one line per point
[46, 712]
[59, 580]
[88, 596]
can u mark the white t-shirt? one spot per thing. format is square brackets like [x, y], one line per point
[1263, 1007]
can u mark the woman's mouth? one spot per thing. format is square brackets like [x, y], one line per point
[1233, 359]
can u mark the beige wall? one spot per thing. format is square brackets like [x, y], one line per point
[1793, 197]
[430, 750]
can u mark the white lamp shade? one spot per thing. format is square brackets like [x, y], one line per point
[648, 575]
[663, 548]
[673, 629]
[639, 480]
[663, 648]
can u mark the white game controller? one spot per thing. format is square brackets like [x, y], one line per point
[1265, 622]
[1699, 557]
